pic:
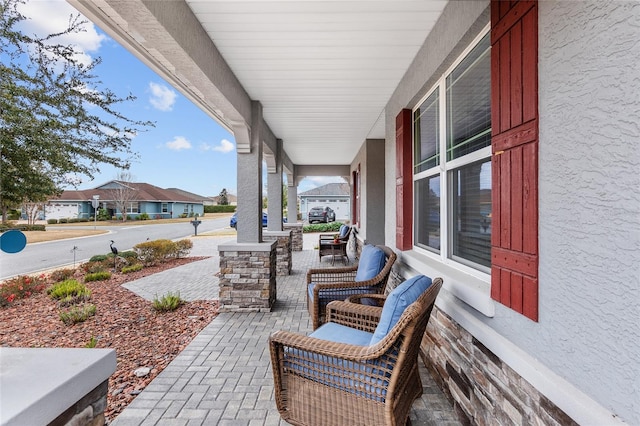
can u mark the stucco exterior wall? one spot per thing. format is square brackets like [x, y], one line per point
[589, 233]
[583, 352]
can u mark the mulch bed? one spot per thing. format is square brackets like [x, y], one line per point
[123, 321]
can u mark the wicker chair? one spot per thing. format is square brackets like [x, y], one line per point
[325, 241]
[328, 381]
[327, 284]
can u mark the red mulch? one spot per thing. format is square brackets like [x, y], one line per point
[123, 321]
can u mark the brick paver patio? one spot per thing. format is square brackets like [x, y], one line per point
[224, 375]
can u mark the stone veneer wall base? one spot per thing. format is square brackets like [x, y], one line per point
[483, 389]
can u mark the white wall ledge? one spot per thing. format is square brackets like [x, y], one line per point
[39, 384]
[472, 290]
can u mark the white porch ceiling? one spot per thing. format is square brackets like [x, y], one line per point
[323, 70]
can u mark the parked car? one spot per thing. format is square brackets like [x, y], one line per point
[322, 214]
[233, 222]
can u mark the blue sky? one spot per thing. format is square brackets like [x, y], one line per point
[186, 150]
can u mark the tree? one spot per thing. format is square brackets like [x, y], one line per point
[123, 192]
[56, 119]
[222, 198]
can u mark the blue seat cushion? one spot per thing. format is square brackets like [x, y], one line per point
[342, 334]
[397, 301]
[372, 261]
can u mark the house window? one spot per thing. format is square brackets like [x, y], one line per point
[165, 208]
[452, 162]
[132, 207]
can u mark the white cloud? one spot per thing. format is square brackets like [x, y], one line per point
[224, 146]
[162, 97]
[52, 16]
[178, 143]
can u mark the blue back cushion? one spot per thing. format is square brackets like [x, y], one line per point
[343, 230]
[397, 301]
[372, 261]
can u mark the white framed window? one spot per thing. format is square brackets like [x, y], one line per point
[452, 163]
[165, 207]
[132, 207]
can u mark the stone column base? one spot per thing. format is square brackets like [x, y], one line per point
[247, 277]
[296, 234]
[284, 259]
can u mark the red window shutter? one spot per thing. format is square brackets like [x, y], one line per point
[514, 124]
[404, 181]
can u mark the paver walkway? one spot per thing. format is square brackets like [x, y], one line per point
[223, 377]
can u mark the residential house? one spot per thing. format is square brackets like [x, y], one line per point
[117, 196]
[334, 195]
[232, 200]
[426, 107]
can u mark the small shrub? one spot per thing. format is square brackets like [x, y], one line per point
[97, 276]
[322, 227]
[168, 302]
[183, 247]
[63, 220]
[143, 216]
[153, 252]
[52, 221]
[62, 274]
[69, 290]
[77, 314]
[132, 268]
[97, 266]
[98, 258]
[128, 254]
[92, 343]
[21, 287]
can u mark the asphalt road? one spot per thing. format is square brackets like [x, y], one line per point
[43, 256]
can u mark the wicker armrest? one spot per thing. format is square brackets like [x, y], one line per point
[378, 299]
[353, 315]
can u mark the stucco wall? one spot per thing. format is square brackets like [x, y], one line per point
[589, 200]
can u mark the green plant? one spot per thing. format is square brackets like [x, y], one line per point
[143, 216]
[98, 258]
[97, 276]
[92, 343]
[69, 290]
[52, 221]
[21, 287]
[220, 209]
[323, 227]
[77, 314]
[133, 268]
[63, 220]
[168, 302]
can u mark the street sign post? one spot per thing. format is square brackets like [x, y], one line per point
[95, 203]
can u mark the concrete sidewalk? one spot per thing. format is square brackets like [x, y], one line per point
[224, 375]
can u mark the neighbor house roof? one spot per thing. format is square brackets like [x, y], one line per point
[144, 192]
[330, 189]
